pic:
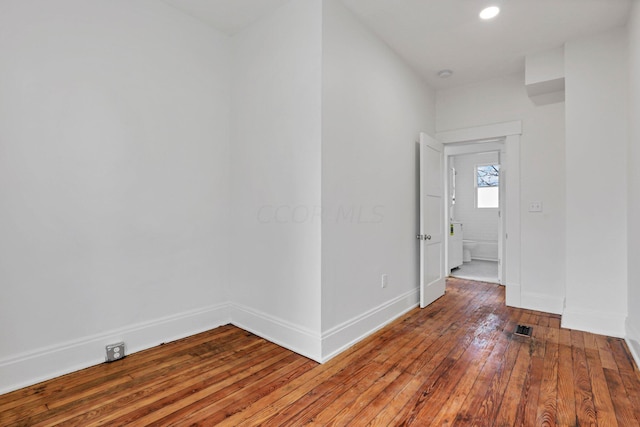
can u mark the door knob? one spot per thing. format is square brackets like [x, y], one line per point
[428, 236]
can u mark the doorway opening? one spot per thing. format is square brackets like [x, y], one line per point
[475, 196]
[509, 134]
[506, 139]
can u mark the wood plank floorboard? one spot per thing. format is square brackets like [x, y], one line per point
[456, 362]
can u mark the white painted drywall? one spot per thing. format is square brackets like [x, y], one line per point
[544, 66]
[542, 175]
[373, 109]
[596, 183]
[113, 180]
[275, 185]
[544, 76]
[479, 225]
[633, 193]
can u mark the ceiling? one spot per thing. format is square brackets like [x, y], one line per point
[228, 16]
[432, 35]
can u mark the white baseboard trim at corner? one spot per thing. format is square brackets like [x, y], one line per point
[33, 367]
[633, 342]
[279, 331]
[541, 302]
[343, 336]
[596, 322]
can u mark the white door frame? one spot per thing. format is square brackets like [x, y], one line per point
[510, 132]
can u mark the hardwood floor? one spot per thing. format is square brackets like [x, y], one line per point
[453, 363]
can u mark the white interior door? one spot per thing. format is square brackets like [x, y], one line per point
[432, 277]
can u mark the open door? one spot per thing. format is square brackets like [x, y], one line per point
[432, 277]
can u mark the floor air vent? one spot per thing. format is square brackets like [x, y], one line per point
[524, 331]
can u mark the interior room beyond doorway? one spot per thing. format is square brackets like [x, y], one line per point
[473, 194]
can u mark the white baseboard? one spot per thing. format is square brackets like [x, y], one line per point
[49, 362]
[343, 336]
[279, 331]
[541, 302]
[611, 324]
[475, 258]
[633, 342]
[46, 363]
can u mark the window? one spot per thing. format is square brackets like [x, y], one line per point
[487, 186]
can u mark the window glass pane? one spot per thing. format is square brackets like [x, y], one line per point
[488, 197]
[487, 184]
[488, 175]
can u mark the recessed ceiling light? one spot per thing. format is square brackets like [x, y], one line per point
[443, 74]
[489, 12]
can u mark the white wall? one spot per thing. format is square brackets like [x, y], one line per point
[275, 182]
[633, 193]
[124, 146]
[479, 225]
[120, 158]
[373, 109]
[113, 181]
[596, 183]
[542, 175]
[544, 76]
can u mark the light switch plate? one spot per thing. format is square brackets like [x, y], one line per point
[535, 206]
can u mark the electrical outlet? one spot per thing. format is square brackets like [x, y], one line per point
[535, 206]
[115, 352]
[385, 280]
